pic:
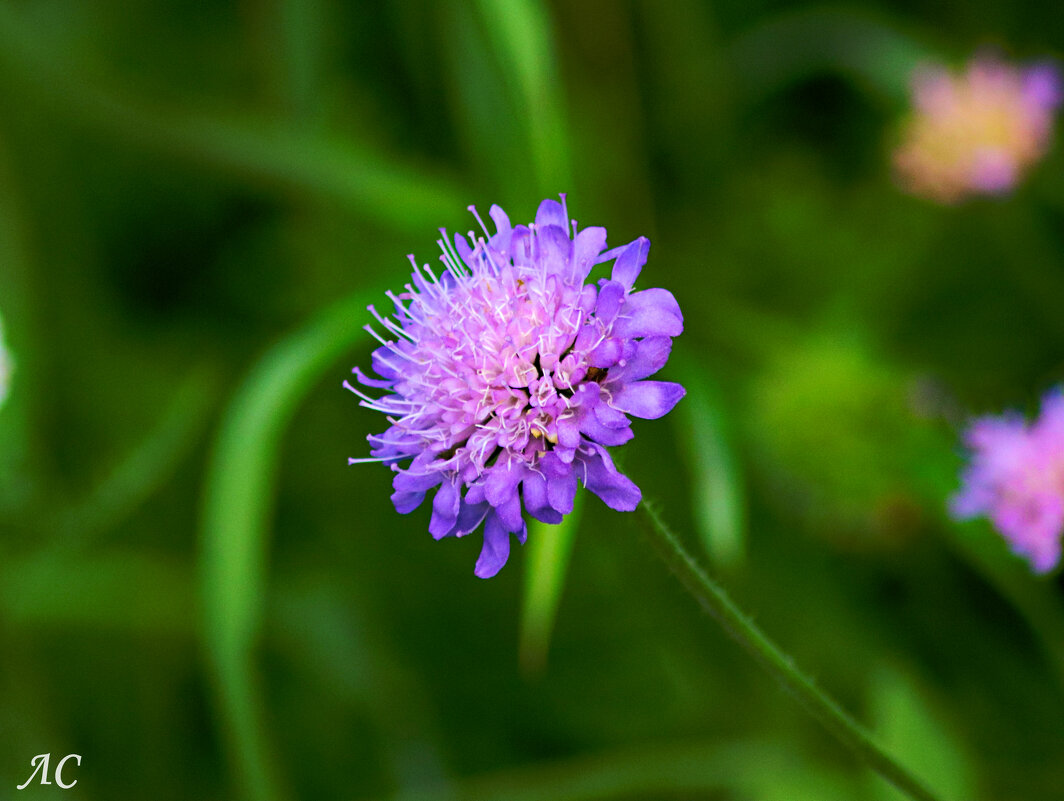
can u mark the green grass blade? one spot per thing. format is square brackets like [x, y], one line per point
[718, 490]
[907, 724]
[521, 33]
[546, 567]
[237, 506]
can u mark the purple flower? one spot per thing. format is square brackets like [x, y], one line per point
[1016, 478]
[506, 377]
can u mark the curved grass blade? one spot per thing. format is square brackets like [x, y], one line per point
[546, 567]
[237, 506]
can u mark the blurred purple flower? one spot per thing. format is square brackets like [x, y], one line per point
[976, 132]
[506, 377]
[1016, 478]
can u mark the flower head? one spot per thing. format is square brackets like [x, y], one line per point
[976, 132]
[1016, 478]
[506, 377]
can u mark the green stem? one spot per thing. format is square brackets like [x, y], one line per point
[720, 606]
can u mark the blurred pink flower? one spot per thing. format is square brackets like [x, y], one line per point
[976, 132]
[1016, 479]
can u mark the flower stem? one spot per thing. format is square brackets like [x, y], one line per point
[720, 606]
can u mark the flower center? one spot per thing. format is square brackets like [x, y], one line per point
[495, 367]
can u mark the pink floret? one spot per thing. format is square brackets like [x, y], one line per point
[1016, 479]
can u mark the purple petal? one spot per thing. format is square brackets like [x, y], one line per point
[561, 483]
[461, 244]
[445, 509]
[550, 212]
[568, 430]
[496, 549]
[1045, 557]
[521, 245]
[648, 399]
[366, 381]
[551, 467]
[555, 249]
[610, 298]
[586, 338]
[610, 417]
[501, 481]
[393, 443]
[965, 506]
[1042, 86]
[469, 517]
[407, 481]
[611, 254]
[501, 220]
[649, 357]
[406, 502]
[586, 303]
[595, 431]
[561, 492]
[380, 360]
[652, 312]
[615, 489]
[509, 512]
[475, 494]
[606, 354]
[586, 248]
[534, 494]
[628, 265]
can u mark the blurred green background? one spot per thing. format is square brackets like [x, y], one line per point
[197, 595]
